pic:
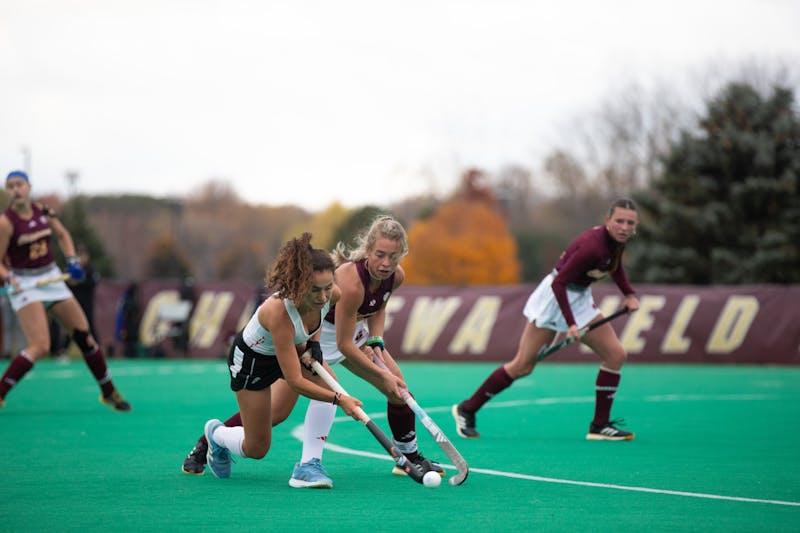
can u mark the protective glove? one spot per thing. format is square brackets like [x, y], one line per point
[74, 268]
[316, 354]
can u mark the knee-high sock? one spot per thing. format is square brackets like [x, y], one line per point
[403, 425]
[605, 390]
[497, 381]
[231, 438]
[96, 362]
[18, 367]
[317, 426]
[234, 420]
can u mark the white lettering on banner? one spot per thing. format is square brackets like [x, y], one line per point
[733, 324]
[208, 316]
[244, 318]
[475, 331]
[152, 329]
[639, 322]
[426, 321]
[675, 340]
[393, 305]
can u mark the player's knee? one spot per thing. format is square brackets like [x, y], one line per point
[37, 350]
[520, 367]
[257, 450]
[526, 369]
[81, 338]
[616, 358]
[279, 416]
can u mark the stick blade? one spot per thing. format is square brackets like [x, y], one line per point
[459, 478]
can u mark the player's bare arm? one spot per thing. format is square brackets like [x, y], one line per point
[63, 237]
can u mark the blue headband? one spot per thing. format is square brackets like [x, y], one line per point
[17, 174]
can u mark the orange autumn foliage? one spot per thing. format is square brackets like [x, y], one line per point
[465, 242]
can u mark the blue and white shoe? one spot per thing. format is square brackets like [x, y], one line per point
[311, 475]
[218, 459]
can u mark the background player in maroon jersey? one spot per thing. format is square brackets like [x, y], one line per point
[26, 232]
[563, 302]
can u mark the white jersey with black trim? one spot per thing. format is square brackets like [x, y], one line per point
[260, 340]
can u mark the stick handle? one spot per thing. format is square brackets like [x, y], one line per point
[40, 283]
[546, 352]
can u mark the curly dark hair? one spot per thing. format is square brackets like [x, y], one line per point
[291, 274]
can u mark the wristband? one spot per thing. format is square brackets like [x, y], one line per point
[336, 398]
[74, 268]
[376, 341]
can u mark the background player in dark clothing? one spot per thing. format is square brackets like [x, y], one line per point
[84, 288]
[563, 302]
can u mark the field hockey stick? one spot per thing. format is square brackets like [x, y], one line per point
[435, 431]
[547, 352]
[413, 471]
[41, 283]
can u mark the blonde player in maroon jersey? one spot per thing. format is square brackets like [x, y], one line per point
[563, 302]
[26, 232]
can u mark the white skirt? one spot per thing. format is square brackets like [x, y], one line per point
[327, 341]
[543, 311]
[47, 294]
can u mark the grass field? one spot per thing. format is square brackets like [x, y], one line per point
[717, 449]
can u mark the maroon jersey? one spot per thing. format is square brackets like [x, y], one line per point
[590, 257]
[373, 300]
[29, 246]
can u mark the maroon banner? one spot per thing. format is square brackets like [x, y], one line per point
[731, 324]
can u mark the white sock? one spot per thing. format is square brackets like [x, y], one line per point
[319, 419]
[230, 438]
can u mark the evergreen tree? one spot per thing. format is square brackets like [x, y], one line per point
[726, 209]
[354, 224]
[73, 215]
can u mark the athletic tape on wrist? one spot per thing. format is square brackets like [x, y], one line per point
[377, 340]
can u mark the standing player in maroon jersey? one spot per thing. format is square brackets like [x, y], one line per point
[26, 231]
[563, 302]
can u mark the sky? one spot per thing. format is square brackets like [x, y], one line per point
[354, 101]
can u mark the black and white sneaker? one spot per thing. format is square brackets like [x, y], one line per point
[608, 432]
[116, 402]
[195, 462]
[465, 422]
[425, 464]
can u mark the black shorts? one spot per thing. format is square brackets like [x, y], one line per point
[250, 370]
